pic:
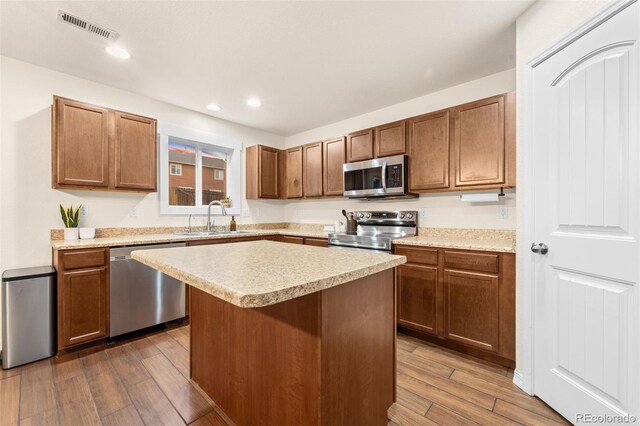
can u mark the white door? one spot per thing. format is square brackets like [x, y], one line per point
[586, 159]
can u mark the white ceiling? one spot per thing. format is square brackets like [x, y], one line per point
[311, 63]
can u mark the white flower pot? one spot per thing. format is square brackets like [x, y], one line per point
[70, 233]
[87, 233]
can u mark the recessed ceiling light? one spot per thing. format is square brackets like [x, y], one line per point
[213, 107]
[253, 102]
[118, 52]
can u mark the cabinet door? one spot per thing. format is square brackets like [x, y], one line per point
[479, 148]
[417, 297]
[312, 170]
[80, 146]
[267, 172]
[471, 309]
[390, 139]
[294, 172]
[360, 146]
[429, 150]
[334, 159]
[135, 157]
[83, 306]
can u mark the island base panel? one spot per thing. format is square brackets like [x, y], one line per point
[327, 358]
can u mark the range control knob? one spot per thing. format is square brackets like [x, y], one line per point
[409, 215]
[368, 216]
[401, 215]
[360, 215]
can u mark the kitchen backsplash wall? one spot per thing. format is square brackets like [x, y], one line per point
[30, 206]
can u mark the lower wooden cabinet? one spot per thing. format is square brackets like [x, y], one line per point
[318, 242]
[417, 297]
[291, 239]
[461, 299]
[83, 296]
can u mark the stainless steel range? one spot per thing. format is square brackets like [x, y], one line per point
[377, 230]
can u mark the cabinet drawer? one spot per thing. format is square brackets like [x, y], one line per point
[207, 242]
[422, 256]
[77, 259]
[292, 240]
[318, 242]
[472, 261]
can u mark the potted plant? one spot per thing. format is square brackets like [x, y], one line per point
[226, 201]
[70, 217]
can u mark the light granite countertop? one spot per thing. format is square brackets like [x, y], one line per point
[261, 273]
[497, 244]
[131, 240]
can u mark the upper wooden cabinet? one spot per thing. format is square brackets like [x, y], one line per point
[312, 170]
[360, 146]
[135, 152]
[262, 172]
[334, 159]
[389, 139]
[429, 151]
[80, 145]
[484, 142]
[294, 160]
[100, 148]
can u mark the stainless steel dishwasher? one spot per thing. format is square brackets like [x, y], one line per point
[141, 296]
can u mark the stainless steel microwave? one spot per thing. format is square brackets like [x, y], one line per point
[378, 178]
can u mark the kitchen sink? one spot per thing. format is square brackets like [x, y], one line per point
[205, 233]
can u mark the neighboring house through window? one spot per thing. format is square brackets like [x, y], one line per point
[197, 168]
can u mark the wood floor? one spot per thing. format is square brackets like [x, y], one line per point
[145, 381]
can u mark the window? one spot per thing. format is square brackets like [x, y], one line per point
[197, 168]
[175, 169]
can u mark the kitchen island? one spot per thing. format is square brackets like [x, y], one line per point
[285, 334]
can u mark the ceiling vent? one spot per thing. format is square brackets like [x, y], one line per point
[86, 25]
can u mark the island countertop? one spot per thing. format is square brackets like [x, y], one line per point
[261, 273]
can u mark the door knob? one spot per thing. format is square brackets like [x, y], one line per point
[541, 248]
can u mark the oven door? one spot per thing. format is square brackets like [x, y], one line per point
[375, 178]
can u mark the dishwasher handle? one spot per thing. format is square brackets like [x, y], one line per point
[120, 258]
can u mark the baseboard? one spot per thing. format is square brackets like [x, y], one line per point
[518, 379]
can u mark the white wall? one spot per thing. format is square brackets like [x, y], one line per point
[31, 206]
[538, 28]
[443, 210]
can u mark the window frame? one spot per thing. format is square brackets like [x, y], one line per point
[232, 147]
[215, 173]
[178, 167]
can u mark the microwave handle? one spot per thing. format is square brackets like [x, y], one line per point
[384, 176]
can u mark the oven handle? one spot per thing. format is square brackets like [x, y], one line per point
[384, 176]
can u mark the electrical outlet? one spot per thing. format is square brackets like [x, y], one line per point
[246, 212]
[84, 211]
[504, 212]
[133, 211]
[257, 212]
[423, 213]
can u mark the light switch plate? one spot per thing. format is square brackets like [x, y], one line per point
[423, 213]
[504, 212]
[133, 211]
[84, 211]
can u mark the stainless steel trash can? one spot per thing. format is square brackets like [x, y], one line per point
[28, 315]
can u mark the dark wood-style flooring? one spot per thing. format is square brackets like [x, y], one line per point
[145, 381]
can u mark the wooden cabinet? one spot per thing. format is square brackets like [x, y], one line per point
[464, 300]
[262, 172]
[417, 297]
[83, 296]
[99, 148]
[429, 151]
[80, 145]
[389, 139]
[484, 142]
[312, 170]
[291, 239]
[135, 152]
[294, 172]
[318, 242]
[360, 146]
[334, 159]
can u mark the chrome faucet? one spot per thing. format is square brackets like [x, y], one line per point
[213, 203]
